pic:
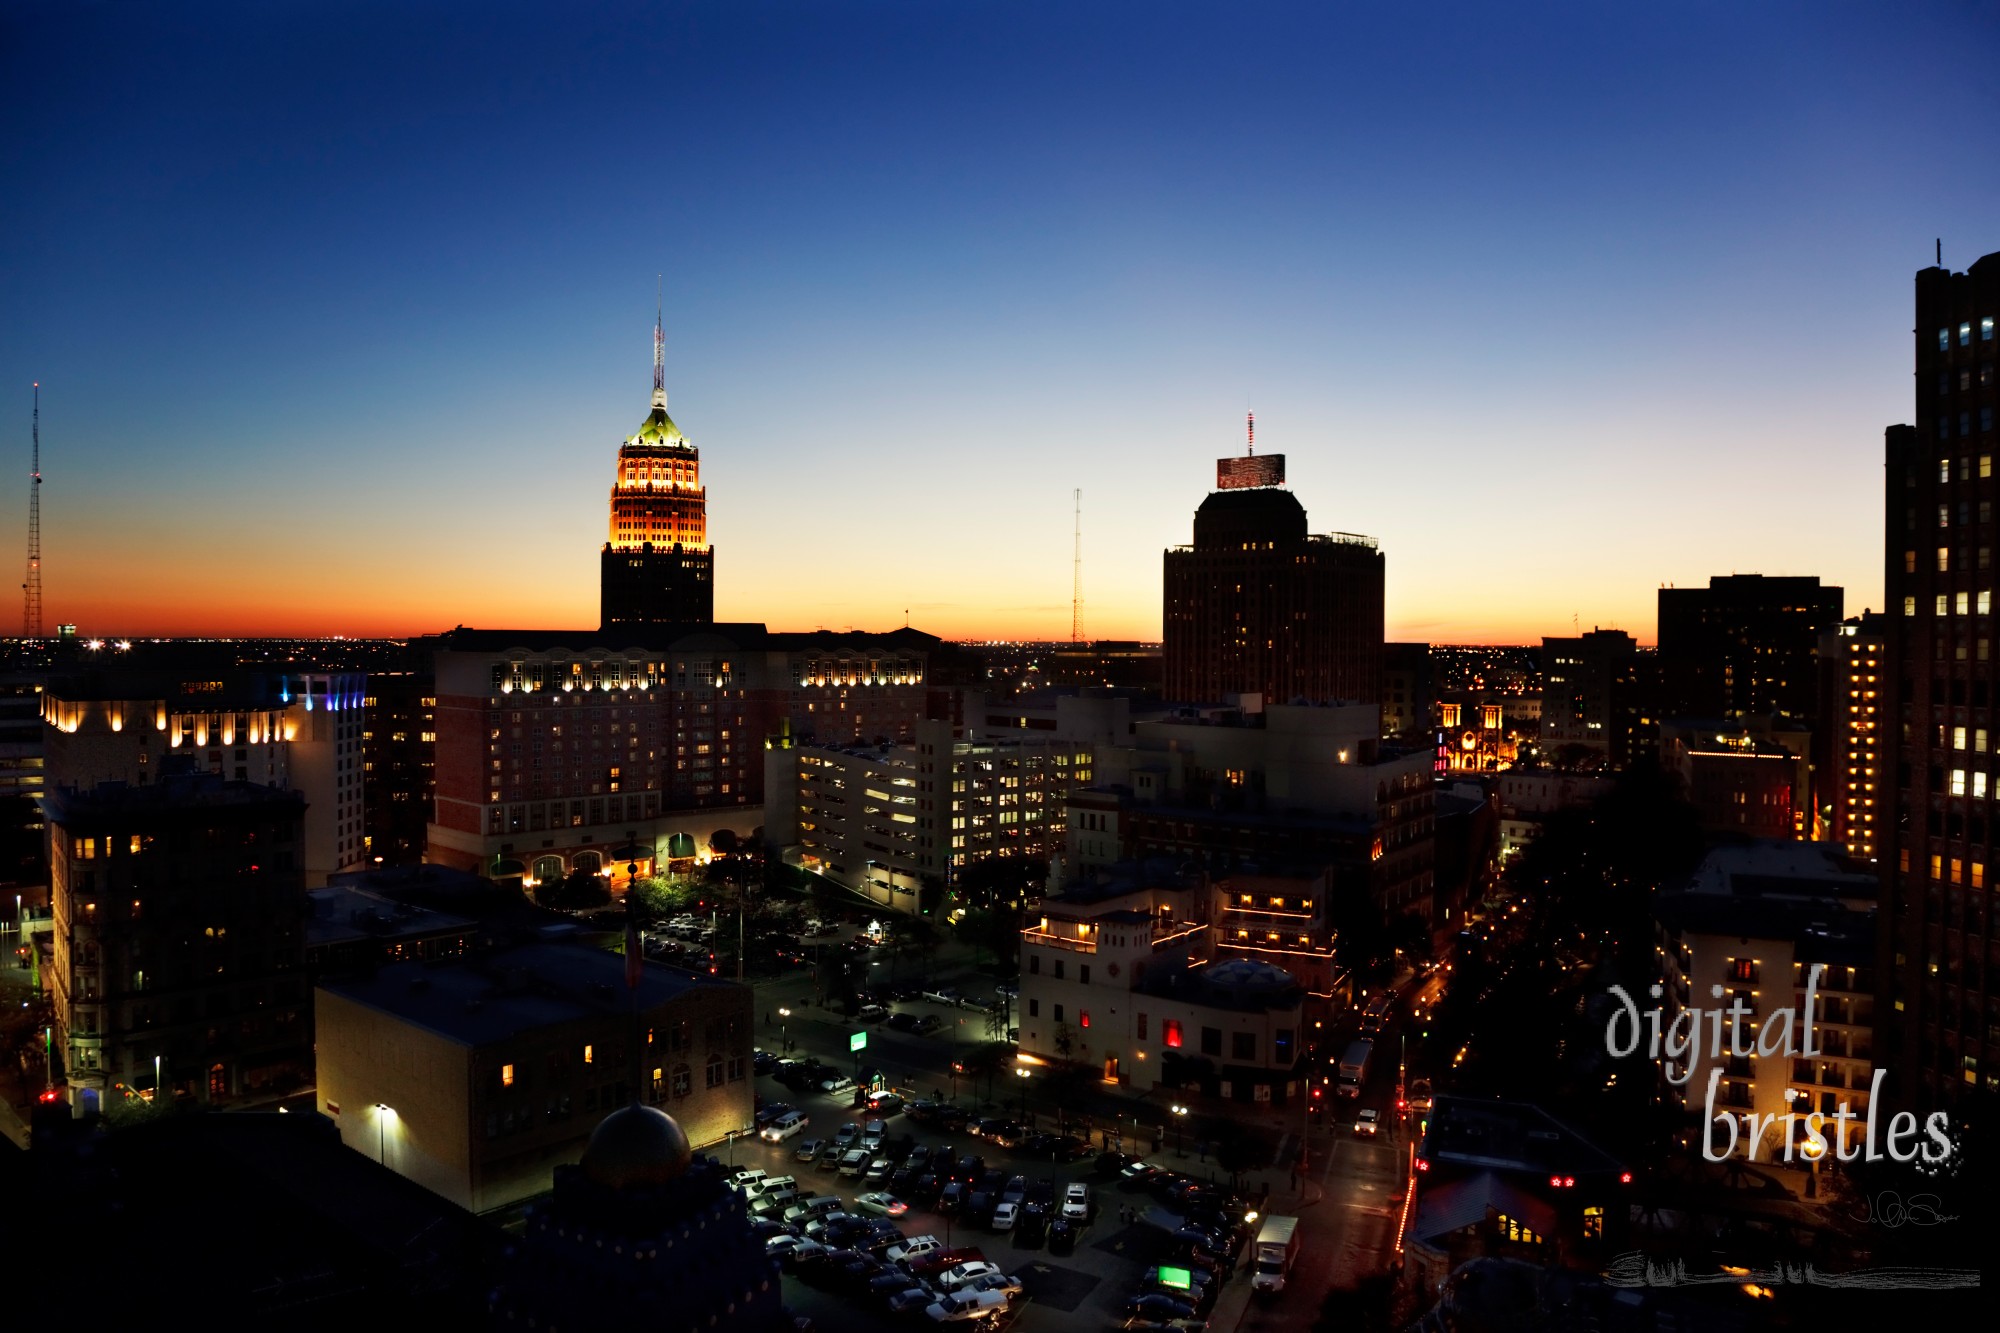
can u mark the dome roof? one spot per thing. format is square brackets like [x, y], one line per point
[658, 428]
[636, 1146]
[1264, 513]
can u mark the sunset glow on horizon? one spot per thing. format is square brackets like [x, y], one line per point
[342, 337]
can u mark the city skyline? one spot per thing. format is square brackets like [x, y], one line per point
[341, 335]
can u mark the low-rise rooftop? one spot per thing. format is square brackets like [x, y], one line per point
[479, 1001]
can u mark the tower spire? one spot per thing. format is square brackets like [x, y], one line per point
[660, 347]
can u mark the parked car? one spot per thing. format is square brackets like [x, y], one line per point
[1062, 1235]
[915, 1248]
[967, 1305]
[884, 1103]
[853, 1162]
[928, 1023]
[911, 1298]
[1001, 1282]
[890, 1283]
[809, 1150]
[871, 1013]
[838, 1083]
[882, 1205]
[770, 1111]
[1005, 1216]
[1076, 1201]
[1033, 1227]
[951, 1279]
[943, 995]
[1155, 1305]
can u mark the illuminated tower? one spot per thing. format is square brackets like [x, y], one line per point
[657, 566]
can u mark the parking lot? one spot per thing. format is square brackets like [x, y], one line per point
[1081, 1281]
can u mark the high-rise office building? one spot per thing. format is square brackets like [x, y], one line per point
[1744, 646]
[1851, 768]
[1258, 605]
[1939, 1021]
[1579, 678]
[657, 566]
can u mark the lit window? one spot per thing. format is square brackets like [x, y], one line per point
[1170, 1033]
[1965, 334]
[588, 1054]
[1986, 329]
[1958, 782]
[506, 1076]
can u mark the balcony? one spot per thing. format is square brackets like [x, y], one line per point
[1055, 941]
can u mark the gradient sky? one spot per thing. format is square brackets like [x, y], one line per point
[341, 311]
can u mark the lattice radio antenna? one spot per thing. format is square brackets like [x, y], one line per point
[31, 590]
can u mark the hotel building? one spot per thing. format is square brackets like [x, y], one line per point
[293, 730]
[597, 750]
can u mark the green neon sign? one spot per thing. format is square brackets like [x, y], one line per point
[859, 1041]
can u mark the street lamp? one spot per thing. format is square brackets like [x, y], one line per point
[1021, 1072]
[784, 1027]
[1180, 1118]
[957, 1068]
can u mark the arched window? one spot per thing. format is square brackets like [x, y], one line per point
[589, 862]
[683, 1080]
[714, 1071]
[548, 869]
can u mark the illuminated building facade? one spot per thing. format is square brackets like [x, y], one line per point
[879, 819]
[298, 730]
[596, 751]
[1750, 778]
[1116, 974]
[1941, 1021]
[179, 939]
[1753, 921]
[478, 1077]
[657, 567]
[1851, 772]
[1258, 605]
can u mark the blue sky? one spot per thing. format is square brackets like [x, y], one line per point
[342, 311]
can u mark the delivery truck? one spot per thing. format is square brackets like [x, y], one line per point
[1354, 1068]
[1277, 1247]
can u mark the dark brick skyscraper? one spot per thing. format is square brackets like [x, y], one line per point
[1258, 604]
[1745, 646]
[1939, 1019]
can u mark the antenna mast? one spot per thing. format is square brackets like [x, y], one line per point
[31, 610]
[1252, 427]
[1076, 575]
